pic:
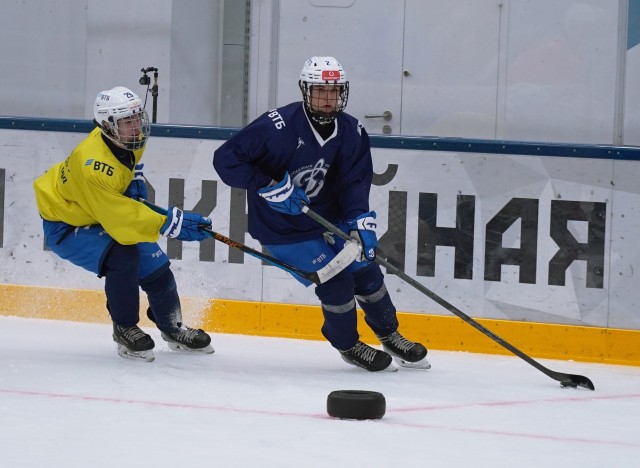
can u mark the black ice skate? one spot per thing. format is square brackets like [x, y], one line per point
[406, 353]
[133, 343]
[185, 339]
[189, 340]
[371, 359]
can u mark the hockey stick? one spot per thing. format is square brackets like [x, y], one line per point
[335, 266]
[566, 380]
[308, 275]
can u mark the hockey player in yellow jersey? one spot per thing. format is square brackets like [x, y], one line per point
[93, 217]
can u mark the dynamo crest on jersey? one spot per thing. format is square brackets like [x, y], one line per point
[311, 179]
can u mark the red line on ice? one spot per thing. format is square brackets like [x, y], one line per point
[168, 404]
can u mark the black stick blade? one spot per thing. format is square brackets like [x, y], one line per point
[573, 381]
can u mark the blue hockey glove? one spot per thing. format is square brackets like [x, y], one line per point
[284, 197]
[137, 189]
[363, 228]
[185, 226]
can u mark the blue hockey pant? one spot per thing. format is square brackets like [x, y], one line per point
[125, 269]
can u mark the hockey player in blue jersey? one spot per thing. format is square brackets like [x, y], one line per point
[314, 153]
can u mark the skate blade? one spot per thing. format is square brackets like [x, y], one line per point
[390, 368]
[421, 364]
[126, 353]
[180, 348]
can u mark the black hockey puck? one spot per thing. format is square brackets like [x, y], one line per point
[356, 404]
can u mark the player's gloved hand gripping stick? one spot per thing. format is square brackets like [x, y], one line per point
[137, 188]
[284, 196]
[347, 255]
[566, 380]
[184, 226]
[363, 228]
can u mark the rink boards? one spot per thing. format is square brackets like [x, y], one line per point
[538, 242]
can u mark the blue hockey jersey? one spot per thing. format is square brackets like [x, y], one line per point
[336, 173]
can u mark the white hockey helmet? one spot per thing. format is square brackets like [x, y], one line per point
[120, 114]
[323, 71]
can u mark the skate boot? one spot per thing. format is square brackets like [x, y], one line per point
[189, 340]
[406, 353]
[185, 339]
[371, 359]
[133, 343]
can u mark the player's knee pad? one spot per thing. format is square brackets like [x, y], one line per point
[368, 280]
[337, 291]
[161, 283]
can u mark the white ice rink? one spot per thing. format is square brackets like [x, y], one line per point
[68, 400]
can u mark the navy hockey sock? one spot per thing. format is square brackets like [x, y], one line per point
[164, 302]
[340, 326]
[120, 269]
[374, 299]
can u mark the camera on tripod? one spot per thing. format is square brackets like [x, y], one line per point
[145, 80]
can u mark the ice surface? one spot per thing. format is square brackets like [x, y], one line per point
[68, 400]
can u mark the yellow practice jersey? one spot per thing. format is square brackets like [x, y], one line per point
[87, 187]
